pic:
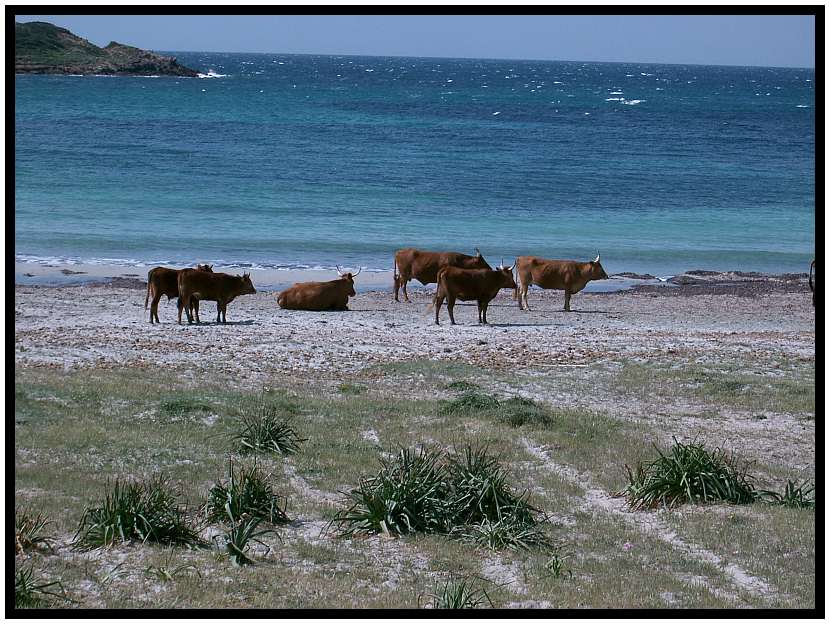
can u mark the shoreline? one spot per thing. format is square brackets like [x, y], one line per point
[273, 280]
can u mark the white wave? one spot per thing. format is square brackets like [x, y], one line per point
[629, 75]
[614, 99]
[631, 102]
[557, 82]
[645, 74]
[615, 93]
[497, 113]
[211, 74]
[802, 106]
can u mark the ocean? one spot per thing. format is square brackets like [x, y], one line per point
[301, 161]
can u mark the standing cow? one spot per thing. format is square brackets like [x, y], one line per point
[423, 266]
[568, 275]
[222, 288]
[319, 296]
[480, 285]
[813, 285]
[164, 281]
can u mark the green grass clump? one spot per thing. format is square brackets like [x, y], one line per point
[688, 473]
[28, 531]
[459, 594]
[408, 494]
[472, 400]
[29, 592]
[796, 496]
[264, 430]
[178, 407]
[242, 533]
[515, 411]
[145, 511]
[247, 493]
[464, 495]
[462, 386]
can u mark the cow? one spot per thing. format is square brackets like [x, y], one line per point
[480, 285]
[319, 296]
[222, 288]
[568, 275]
[163, 281]
[423, 266]
[812, 284]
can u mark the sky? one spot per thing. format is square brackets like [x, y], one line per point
[763, 40]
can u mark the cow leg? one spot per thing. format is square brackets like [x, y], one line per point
[439, 300]
[405, 294]
[484, 312]
[567, 301]
[523, 295]
[480, 321]
[225, 312]
[396, 287]
[154, 307]
[450, 306]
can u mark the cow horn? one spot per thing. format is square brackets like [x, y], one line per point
[478, 251]
[358, 272]
[597, 258]
[514, 266]
[339, 272]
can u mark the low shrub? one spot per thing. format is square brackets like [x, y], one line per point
[28, 531]
[29, 592]
[459, 594]
[464, 495]
[136, 510]
[470, 401]
[179, 406]
[246, 493]
[688, 473]
[264, 430]
[796, 496]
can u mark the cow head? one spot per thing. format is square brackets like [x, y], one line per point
[597, 272]
[506, 274]
[348, 277]
[247, 285]
[478, 262]
[207, 268]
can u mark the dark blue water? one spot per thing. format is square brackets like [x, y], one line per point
[292, 161]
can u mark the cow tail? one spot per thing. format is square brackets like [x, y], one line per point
[281, 299]
[147, 298]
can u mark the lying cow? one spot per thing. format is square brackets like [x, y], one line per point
[195, 286]
[164, 281]
[480, 285]
[568, 275]
[813, 285]
[319, 296]
[423, 266]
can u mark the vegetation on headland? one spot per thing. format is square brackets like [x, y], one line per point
[43, 48]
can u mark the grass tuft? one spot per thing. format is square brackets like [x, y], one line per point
[246, 494]
[178, 407]
[462, 386]
[242, 533]
[796, 496]
[515, 411]
[472, 400]
[465, 495]
[145, 511]
[688, 473]
[28, 531]
[351, 389]
[459, 594]
[264, 430]
[29, 592]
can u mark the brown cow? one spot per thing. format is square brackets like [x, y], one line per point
[423, 266]
[480, 285]
[219, 287]
[568, 275]
[319, 296]
[810, 280]
[163, 281]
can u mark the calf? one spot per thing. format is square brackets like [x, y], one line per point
[319, 296]
[164, 281]
[480, 285]
[222, 288]
[568, 275]
[423, 266]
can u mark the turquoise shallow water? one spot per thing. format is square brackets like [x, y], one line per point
[311, 161]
